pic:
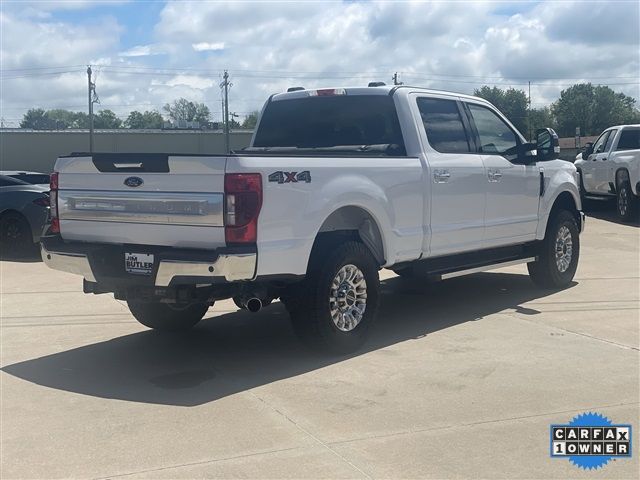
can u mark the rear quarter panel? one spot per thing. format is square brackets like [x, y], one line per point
[389, 189]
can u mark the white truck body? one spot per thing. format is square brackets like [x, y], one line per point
[611, 167]
[415, 203]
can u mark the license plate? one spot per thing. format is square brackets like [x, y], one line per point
[138, 263]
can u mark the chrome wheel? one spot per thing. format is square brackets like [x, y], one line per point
[623, 201]
[564, 249]
[348, 298]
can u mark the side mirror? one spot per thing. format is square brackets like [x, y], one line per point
[547, 144]
[588, 150]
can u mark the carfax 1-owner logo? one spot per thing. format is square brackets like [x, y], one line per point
[590, 441]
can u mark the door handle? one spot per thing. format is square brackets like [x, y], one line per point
[441, 176]
[604, 159]
[494, 175]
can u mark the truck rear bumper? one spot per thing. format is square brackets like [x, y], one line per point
[104, 264]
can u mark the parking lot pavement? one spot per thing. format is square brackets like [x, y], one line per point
[460, 380]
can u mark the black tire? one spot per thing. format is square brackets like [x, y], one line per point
[547, 271]
[309, 302]
[15, 233]
[626, 202]
[167, 317]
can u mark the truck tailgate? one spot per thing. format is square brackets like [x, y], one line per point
[142, 199]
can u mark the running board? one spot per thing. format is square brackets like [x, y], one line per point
[484, 268]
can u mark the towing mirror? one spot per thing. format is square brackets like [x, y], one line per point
[587, 150]
[547, 144]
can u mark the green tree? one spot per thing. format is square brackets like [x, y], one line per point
[513, 103]
[250, 120]
[541, 118]
[106, 119]
[183, 109]
[37, 119]
[592, 109]
[62, 119]
[148, 119]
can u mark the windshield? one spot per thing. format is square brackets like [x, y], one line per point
[324, 122]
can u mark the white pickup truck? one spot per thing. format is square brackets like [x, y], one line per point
[337, 184]
[611, 168]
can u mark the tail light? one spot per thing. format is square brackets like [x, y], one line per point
[42, 201]
[53, 202]
[243, 194]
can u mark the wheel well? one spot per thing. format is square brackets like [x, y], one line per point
[350, 223]
[565, 201]
[622, 174]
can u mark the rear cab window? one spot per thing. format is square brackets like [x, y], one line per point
[629, 139]
[330, 121]
[444, 126]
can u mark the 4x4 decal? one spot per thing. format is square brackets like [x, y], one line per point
[290, 177]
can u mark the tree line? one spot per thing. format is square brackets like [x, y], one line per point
[592, 108]
[176, 111]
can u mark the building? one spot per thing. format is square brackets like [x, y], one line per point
[37, 150]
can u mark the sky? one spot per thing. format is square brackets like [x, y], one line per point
[147, 53]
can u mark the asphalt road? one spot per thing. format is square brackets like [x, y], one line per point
[461, 379]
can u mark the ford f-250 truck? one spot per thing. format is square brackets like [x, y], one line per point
[337, 183]
[611, 168]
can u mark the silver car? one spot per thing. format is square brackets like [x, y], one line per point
[24, 210]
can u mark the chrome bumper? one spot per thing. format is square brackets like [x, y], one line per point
[68, 262]
[231, 267]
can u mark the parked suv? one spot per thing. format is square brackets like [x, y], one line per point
[610, 167]
[337, 184]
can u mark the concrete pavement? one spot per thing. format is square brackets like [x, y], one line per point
[460, 380]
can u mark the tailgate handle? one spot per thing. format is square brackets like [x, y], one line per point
[128, 165]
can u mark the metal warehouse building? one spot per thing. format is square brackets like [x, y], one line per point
[37, 150]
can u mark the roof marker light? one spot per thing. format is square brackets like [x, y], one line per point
[327, 92]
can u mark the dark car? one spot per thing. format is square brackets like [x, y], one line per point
[24, 210]
[34, 178]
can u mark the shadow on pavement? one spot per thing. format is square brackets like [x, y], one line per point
[24, 255]
[238, 351]
[606, 210]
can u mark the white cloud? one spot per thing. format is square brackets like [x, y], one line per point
[143, 51]
[268, 47]
[207, 46]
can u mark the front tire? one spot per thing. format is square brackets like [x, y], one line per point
[167, 317]
[626, 201]
[559, 253]
[334, 308]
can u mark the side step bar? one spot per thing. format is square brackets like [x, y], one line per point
[484, 268]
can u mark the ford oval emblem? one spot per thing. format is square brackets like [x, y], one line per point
[133, 182]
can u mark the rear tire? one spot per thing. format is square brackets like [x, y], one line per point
[626, 202]
[15, 233]
[559, 253]
[167, 317]
[334, 308]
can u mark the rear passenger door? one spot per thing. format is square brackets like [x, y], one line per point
[456, 176]
[512, 188]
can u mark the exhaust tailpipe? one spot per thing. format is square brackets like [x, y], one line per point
[253, 304]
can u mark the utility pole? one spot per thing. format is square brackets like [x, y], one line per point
[529, 112]
[225, 85]
[93, 98]
[395, 79]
